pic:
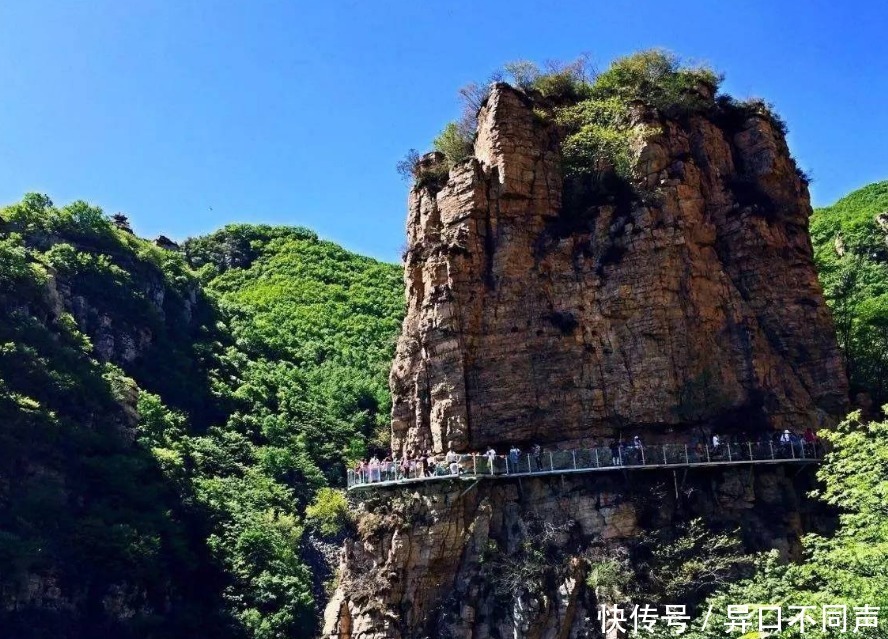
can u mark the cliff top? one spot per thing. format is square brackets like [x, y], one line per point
[608, 256]
[596, 113]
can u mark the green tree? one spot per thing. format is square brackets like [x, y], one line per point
[849, 568]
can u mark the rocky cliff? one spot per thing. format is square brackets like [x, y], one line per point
[514, 558]
[541, 310]
[698, 305]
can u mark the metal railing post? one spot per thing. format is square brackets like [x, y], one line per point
[750, 450]
[802, 447]
[507, 463]
[474, 464]
[665, 461]
[574, 453]
[687, 458]
[792, 449]
[551, 465]
[642, 455]
[728, 446]
[771, 446]
[597, 461]
[708, 459]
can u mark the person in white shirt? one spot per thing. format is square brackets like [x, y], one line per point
[452, 461]
[491, 458]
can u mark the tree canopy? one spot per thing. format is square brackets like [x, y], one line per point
[168, 416]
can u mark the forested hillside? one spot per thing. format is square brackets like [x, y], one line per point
[167, 415]
[851, 248]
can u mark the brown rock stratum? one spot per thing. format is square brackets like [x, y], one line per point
[446, 560]
[686, 305]
[696, 306]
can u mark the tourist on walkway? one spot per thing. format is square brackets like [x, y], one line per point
[637, 456]
[615, 453]
[537, 452]
[811, 441]
[700, 450]
[514, 456]
[491, 458]
[430, 464]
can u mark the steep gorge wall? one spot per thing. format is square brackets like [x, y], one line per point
[695, 306]
[511, 558]
[687, 306]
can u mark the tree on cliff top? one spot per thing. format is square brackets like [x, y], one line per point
[593, 109]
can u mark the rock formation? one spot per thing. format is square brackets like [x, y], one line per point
[696, 306]
[882, 223]
[511, 558]
[687, 306]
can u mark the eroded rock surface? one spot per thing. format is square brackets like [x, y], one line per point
[539, 312]
[696, 305]
[511, 559]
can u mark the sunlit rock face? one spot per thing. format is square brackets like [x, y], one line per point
[692, 306]
[512, 558]
[685, 305]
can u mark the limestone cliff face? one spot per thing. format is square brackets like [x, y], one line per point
[694, 306]
[512, 558]
[541, 311]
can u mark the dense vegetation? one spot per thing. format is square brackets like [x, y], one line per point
[851, 249]
[597, 114]
[167, 417]
[89, 517]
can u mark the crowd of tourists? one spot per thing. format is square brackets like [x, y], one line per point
[618, 452]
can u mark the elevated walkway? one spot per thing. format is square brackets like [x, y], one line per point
[581, 460]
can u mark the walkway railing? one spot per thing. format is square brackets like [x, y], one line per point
[581, 460]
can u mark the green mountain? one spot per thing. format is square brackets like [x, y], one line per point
[851, 251]
[167, 415]
[172, 420]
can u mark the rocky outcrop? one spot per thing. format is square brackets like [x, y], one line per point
[162, 241]
[512, 559]
[882, 223]
[543, 309]
[690, 304]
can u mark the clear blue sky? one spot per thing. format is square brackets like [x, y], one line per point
[189, 114]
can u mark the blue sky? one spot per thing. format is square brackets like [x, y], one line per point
[189, 114]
